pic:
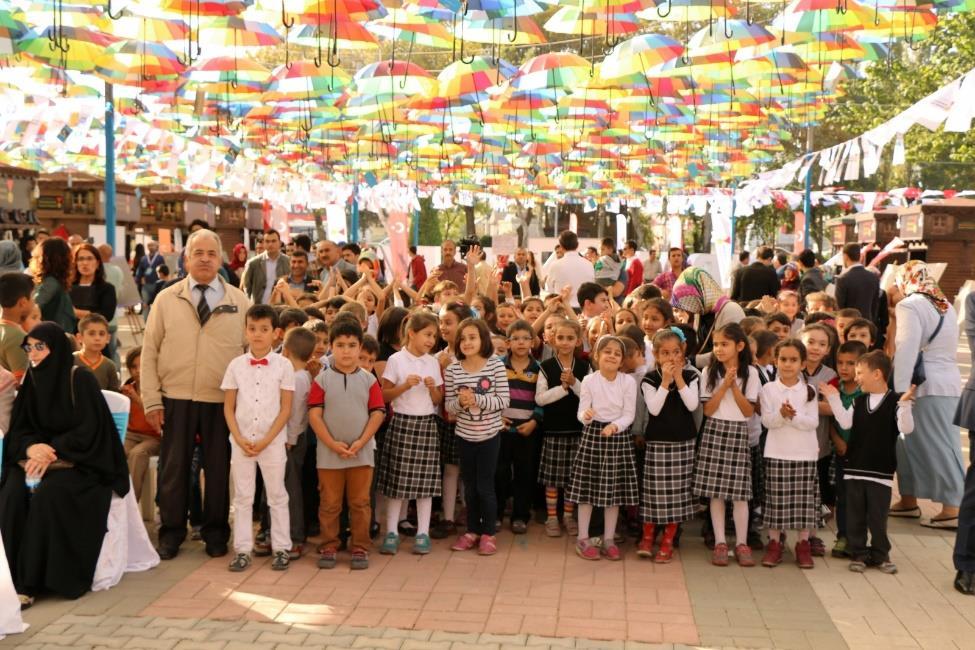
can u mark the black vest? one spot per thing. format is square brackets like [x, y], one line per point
[674, 423]
[562, 416]
[873, 439]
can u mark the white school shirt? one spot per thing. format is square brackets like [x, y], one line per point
[793, 439]
[258, 389]
[728, 409]
[612, 402]
[415, 400]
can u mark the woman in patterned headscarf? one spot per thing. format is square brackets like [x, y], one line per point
[929, 461]
[706, 307]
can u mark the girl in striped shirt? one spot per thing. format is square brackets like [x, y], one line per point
[477, 393]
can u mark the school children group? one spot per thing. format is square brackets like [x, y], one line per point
[599, 417]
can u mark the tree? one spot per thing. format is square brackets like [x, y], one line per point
[933, 159]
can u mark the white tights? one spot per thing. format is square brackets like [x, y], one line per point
[740, 515]
[451, 479]
[610, 515]
[396, 510]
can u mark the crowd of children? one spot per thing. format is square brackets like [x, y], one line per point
[596, 421]
[362, 420]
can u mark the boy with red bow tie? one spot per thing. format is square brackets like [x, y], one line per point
[259, 386]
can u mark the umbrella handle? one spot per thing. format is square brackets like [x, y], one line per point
[514, 36]
[748, 13]
[670, 7]
[288, 24]
[108, 11]
[728, 34]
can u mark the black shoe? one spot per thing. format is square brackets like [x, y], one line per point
[216, 550]
[965, 582]
[755, 540]
[167, 552]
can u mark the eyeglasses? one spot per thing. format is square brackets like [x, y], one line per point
[38, 347]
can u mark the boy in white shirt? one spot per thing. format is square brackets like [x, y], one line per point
[259, 389]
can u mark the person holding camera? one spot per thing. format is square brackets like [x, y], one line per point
[450, 268]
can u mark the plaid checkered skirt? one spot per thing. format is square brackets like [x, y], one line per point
[724, 462]
[448, 442]
[667, 475]
[411, 458]
[604, 471]
[558, 454]
[790, 494]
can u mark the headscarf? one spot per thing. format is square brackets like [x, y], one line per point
[914, 277]
[786, 283]
[66, 410]
[10, 258]
[696, 292]
[235, 262]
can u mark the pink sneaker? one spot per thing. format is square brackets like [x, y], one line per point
[465, 542]
[488, 545]
[612, 553]
[586, 550]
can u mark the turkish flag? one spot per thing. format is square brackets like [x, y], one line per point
[398, 225]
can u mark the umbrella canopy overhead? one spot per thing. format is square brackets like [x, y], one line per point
[530, 98]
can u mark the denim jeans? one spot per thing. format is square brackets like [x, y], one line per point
[478, 465]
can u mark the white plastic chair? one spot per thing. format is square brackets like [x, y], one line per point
[126, 546]
[119, 405]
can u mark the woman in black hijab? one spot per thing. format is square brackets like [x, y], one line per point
[63, 429]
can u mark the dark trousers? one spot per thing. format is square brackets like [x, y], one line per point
[309, 481]
[964, 555]
[184, 420]
[516, 473]
[478, 465]
[840, 497]
[292, 483]
[827, 495]
[867, 506]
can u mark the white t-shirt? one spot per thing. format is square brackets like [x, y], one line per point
[259, 387]
[415, 400]
[613, 402]
[728, 409]
[372, 325]
[572, 270]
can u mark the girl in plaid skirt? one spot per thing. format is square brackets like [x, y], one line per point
[791, 414]
[557, 392]
[411, 467]
[450, 317]
[604, 471]
[723, 471]
[671, 395]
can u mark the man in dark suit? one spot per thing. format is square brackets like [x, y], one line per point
[857, 287]
[517, 266]
[756, 280]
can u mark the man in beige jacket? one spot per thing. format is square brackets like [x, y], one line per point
[195, 328]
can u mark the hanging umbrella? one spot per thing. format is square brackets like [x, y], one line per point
[350, 35]
[551, 73]
[394, 78]
[206, 7]
[133, 62]
[234, 31]
[75, 48]
[516, 31]
[11, 30]
[639, 55]
[304, 81]
[686, 11]
[412, 28]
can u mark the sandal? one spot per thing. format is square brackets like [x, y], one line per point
[906, 513]
[947, 523]
[25, 601]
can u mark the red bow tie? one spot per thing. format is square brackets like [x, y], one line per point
[258, 362]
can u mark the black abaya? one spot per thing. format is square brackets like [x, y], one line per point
[53, 537]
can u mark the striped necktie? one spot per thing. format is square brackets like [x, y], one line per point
[202, 307]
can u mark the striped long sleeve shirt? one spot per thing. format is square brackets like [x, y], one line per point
[521, 386]
[482, 421]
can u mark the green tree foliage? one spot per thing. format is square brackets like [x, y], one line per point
[936, 160]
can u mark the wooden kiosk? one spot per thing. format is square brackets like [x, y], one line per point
[943, 231]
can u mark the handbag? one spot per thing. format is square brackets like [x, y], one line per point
[59, 463]
[918, 377]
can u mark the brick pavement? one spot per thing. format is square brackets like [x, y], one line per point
[535, 593]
